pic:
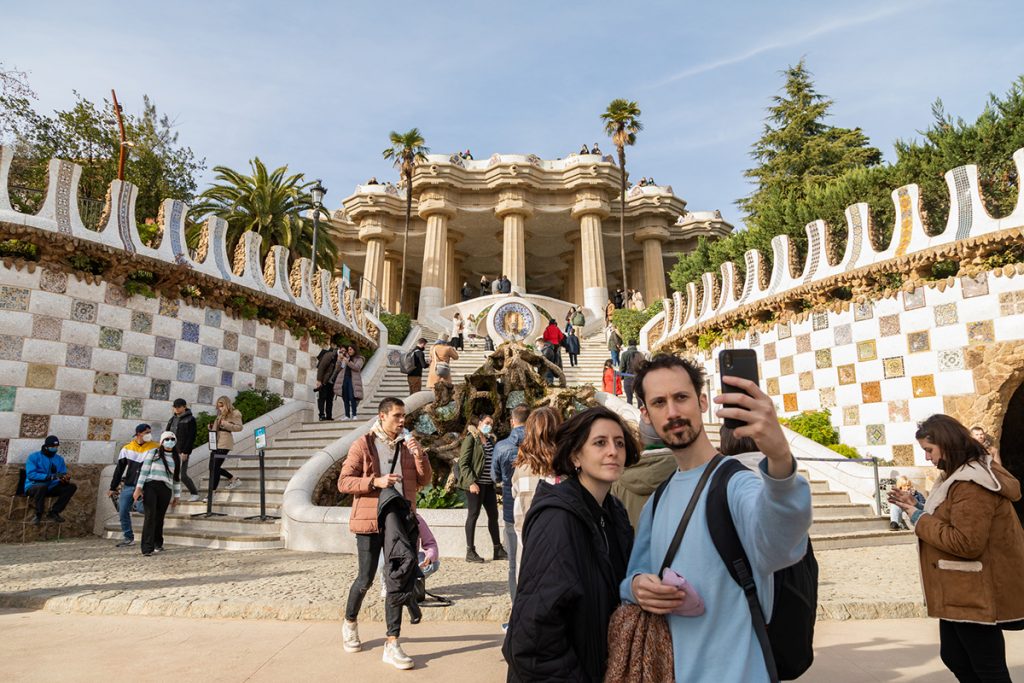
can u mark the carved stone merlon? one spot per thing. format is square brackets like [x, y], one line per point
[591, 203]
[435, 202]
[375, 231]
[513, 202]
[652, 232]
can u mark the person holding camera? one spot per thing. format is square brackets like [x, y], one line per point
[46, 476]
[348, 379]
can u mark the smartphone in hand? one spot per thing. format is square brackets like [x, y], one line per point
[736, 363]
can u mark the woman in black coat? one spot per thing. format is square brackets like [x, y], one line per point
[576, 544]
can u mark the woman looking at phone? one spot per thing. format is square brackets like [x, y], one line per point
[577, 543]
[971, 549]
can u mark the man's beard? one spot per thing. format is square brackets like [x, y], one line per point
[685, 439]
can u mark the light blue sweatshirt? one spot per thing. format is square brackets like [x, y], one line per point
[772, 517]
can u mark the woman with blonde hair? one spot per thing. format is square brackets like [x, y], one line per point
[228, 420]
[533, 464]
[896, 515]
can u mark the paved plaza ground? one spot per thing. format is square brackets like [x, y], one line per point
[235, 650]
[90, 576]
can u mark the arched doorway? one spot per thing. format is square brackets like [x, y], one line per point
[1011, 441]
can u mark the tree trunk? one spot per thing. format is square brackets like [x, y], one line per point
[622, 215]
[405, 239]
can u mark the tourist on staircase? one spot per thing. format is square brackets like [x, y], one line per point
[578, 320]
[363, 476]
[609, 309]
[502, 468]
[228, 420]
[611, 383]
[126, 475]
[577, 543]
[556, 338]
[158, 487]
[458, 330]
[326, 361]
[46, 476]
[533, 464]
[467, 291]
[572, 347]
[638, 301]
[485, 286]
[614, 344]
[972, 549]
[630, 362]
[441, 356]
[474, 477]
[348, 379]
[419, 364]
[183, 424]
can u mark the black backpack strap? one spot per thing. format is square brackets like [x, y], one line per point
[730, 549]
[673, 547]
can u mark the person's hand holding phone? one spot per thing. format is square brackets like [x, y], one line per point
[756, 410]
[903, 499]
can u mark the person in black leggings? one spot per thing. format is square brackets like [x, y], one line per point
[475, 478]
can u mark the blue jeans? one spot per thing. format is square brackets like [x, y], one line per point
[895, 514]
[615, 356]
[125, 504]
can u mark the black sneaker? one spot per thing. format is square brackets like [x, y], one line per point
[158, 550]
[499, 553]
[149, 554]
[893, 526]
[56, 517]
[37, 520]
[125, 543]
[471, 556]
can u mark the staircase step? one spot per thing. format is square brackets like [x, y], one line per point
[842, 525]
[218, 540]
[832, 510]
[861, 539]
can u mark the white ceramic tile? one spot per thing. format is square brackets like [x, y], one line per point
[869, 371]
[895, 390]
[954, 383]
[68, 379]
[162, 368]
[19, 449]
[166, 327]
[1009, 328]
[99, 453]
[85, 334]
[137, 343]
[103, 406]
[37, 401]
[247, 345]
[68, 427]
[105, 360]
[133, 386]
[17, 323]
[207, 375]
[211, 336]
[950, 337]
[114, 316]
[48, 303]
[43, 351]
[187, 352]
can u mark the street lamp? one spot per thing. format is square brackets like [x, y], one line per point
[318, 191]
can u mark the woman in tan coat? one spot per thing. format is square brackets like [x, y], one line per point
[228, 420]
[441, 352]
[348, 379]
[972, 550]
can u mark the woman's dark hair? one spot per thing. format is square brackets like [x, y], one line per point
[953, 439]
[734, 445]
[665, 361]
[572, 435]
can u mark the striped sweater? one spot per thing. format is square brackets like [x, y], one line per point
[153, 469]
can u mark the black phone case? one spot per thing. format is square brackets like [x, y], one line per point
[744, 364]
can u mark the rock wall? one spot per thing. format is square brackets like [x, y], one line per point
[17, 512]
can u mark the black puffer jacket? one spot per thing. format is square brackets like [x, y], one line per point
[574, 557]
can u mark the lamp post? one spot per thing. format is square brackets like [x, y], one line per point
[318, 191]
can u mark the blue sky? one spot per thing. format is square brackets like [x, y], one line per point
[318, 86]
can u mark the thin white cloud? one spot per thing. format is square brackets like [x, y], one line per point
[832, 26]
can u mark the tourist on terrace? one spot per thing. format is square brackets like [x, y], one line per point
[506, 285]
[326, 362]
[372, 181]
[458, 330]
[158, 487]
[611, 382]
[630, 362]
[609, 309]
[496, 285]
[638, 301]
[126, 475]
[584, 149]
[485, 286]
[441, 355]
[572, 347]
[467, 291]
[771, 514]
[474, 477]
[228, 420]
[46, 476]
[533, 464]
[467, 154]
[614, 344]
[595, 149]
[972, 550]
[986, 440]
[363, 476]
[348, 379]
[577, 542]
[896, 514]
[502, 468]
[419, 361]
[183, 424]
[618, 298]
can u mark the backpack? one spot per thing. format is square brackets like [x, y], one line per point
[787, 640]
[407, 362]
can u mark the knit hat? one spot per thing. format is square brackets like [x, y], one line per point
[179, 403]
[168, 435]
[143, 427]
[51, 442]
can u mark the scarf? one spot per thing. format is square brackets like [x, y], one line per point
[976, 471]
[378, 431]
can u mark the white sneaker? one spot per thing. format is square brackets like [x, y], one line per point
[195, 498]
[395, 656]
[235, 483]
[350, 636]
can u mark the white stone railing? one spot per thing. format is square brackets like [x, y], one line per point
[290, 284]
[967, 219]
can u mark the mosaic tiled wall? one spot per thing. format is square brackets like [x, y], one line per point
[88, 363]
[881, 367]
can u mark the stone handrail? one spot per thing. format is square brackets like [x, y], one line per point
[724, 298]
[288, 287]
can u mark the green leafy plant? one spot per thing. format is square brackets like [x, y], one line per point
[141, 282]
[816, 425]
[191, 291]
[251, 403]
[708, 340]
[944, 269]
[844, 450]
[436, 498]
[245, 308]
[398, 324]
[87, 264]
[1014, 253]
[630, 321]
[19, 249]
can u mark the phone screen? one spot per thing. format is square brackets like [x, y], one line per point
[736, 363]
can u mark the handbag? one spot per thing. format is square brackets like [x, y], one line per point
[640, 643]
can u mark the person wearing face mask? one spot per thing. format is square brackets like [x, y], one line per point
[159, 487]
[46, 476]
[475, 478]
[126, 475]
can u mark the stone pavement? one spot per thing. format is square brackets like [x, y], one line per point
[234, 650]
[90, 576]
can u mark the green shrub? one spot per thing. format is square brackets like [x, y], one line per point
[399, 325]
[630, 321]
[19, 249]
[436, 498]
[943, 269]
[816, 425]
[708, 340]
[1011, 254]
[844, 450]
[87, 264]
[141, 282]
[251, 403]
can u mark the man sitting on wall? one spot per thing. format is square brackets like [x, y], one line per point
[46, 476]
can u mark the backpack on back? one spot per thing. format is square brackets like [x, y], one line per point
[787, 639]
[407, 362]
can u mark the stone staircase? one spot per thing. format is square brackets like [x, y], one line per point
[283, 457]
[590, 363]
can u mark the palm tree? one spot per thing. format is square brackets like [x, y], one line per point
[275, 205]
[622, 123]
[406, 150]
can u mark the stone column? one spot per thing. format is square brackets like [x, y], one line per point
[636, 275]
[452, 268]
[513, 208]
[376, 238]
[392, 280]
[590, 208]
[651, 238]
[569, 279]
[436, 208]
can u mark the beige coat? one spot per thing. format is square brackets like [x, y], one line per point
[972, 547]
[224, 427]
[355, 364]
[439, 353]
